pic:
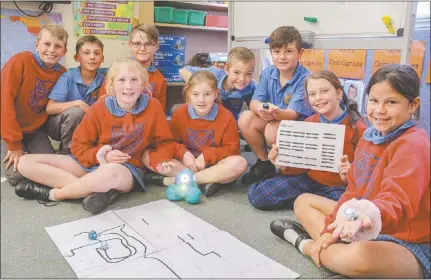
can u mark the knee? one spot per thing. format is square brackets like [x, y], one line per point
[25, 162]
[114, 173]
[271, 133]
[255, 197]
[301, 202]
[74, 114]
[245, 119]
[239, 165]
[353, 262]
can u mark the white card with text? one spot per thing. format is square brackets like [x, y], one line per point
[317, 146]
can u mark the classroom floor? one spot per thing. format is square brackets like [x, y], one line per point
[28, 252]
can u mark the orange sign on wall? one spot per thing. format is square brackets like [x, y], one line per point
[313, 60]
[428, 78]
[383, 57]
[347, 63]
[417, 57]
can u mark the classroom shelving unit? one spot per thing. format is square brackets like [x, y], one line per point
[199, 39]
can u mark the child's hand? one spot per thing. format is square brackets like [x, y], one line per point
[189, 161]
[200, 162]
[267, 114]
[323, 242]
[345, 228]
[344, 167]
[116, 156]
[81, 104]
[12, 157]
[101, 153]
[273, 154]
[165, 167]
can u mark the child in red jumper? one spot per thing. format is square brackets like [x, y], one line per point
[207, 136]
[326, 96]
[107, 146]
[384, 215]
[143, 43]
[26, 81]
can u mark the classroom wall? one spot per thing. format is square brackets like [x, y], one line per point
[113, 47]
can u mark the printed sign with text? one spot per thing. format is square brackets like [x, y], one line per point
[317, 146]
[313, 60]
[347, 63]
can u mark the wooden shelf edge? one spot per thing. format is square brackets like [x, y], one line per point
[209, 28]
[207, 6]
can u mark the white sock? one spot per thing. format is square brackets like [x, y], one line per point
[302, 244]
[51, 195]
[290, 236]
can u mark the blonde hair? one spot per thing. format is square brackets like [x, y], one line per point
[56, 30]
[200, 77]
[240, 53]
[135, 66]
[149, 29]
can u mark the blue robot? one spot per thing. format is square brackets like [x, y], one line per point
[184, 188]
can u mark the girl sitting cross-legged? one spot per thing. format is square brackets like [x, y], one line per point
[326, 96]
[380, 227]
[107, 146]
[206, 135]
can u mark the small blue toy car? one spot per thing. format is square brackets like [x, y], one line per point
[184, 188]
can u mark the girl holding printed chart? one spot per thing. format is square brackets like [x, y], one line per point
[384, 215]
[328, 99]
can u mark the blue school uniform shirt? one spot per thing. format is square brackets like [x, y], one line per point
[70, 87]
[291, 96]
[231, 100]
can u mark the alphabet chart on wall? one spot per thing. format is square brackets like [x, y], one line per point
[317, 146]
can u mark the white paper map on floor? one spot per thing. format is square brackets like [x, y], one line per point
[158, 240]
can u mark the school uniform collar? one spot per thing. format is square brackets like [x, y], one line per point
[373, 135]
[77, 77]
[296, 75]
[210, 117]
[338, 119]
[57, 67]
[150, 69]
[116, 110]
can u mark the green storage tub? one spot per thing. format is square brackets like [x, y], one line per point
[164, 14]
[196, 18]
[181, 16]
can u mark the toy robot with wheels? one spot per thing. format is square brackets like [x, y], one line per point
[184, 188]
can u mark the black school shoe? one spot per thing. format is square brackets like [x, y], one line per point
[210, 189]
[97, 202]
[31, 190]
[153, 178]
[260, 171]
[279, 226]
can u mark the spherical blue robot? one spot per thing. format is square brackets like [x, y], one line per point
[184, 188]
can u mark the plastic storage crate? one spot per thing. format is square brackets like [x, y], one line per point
[216, 21]
[196, 18]
[181, 16]
[164, 14]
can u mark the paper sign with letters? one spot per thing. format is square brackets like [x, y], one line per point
[317, 146]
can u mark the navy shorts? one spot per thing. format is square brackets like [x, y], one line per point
[281, 191]
[137, 173]
[420, 251]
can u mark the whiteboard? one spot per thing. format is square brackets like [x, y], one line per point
[252, 19]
